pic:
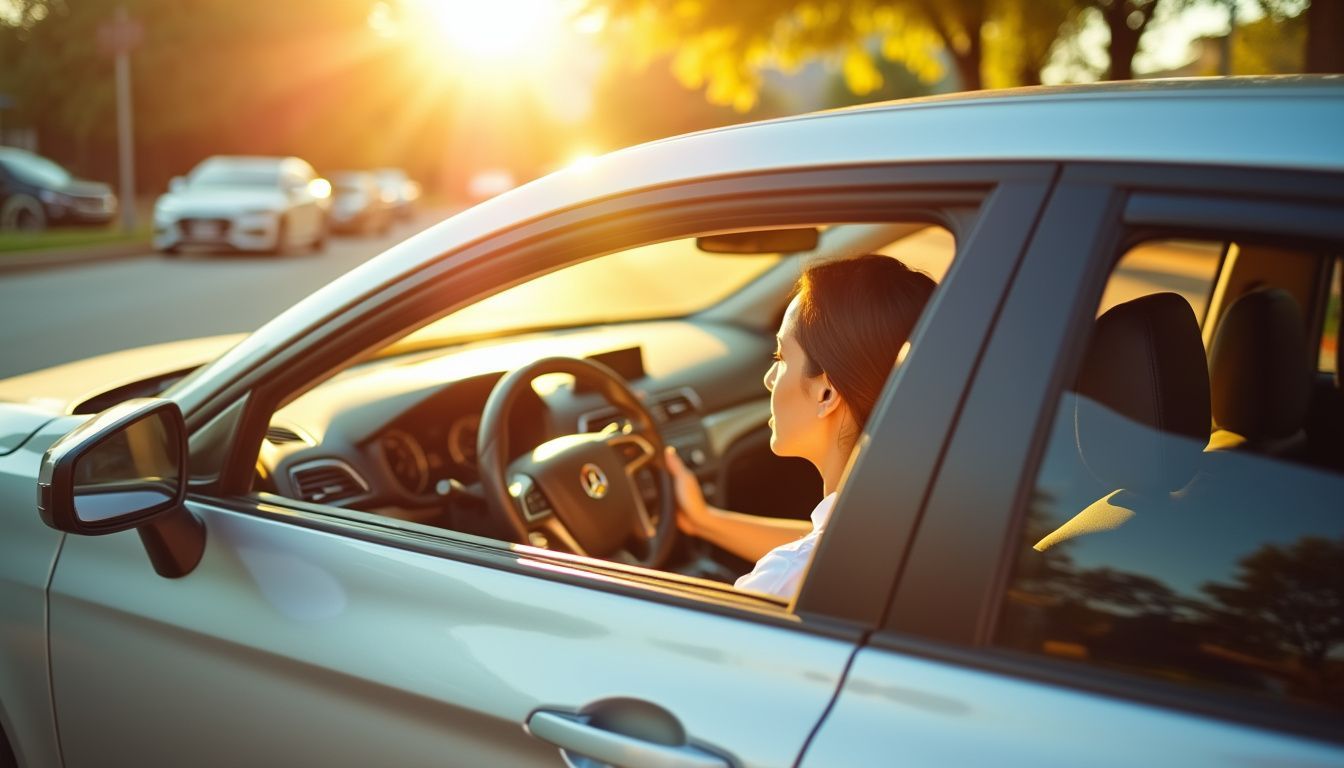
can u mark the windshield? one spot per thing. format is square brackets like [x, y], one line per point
[236, 176]
[35, 169]
[669, 279]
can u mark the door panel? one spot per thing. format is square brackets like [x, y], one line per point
[900, 710]
[289, 644]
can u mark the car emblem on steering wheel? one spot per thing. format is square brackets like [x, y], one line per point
[593, 481]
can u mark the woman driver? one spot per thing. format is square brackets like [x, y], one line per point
[836, 345]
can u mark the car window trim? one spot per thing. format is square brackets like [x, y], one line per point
[923, 398]
[662, 587]
[1053, 269]
[867, 193]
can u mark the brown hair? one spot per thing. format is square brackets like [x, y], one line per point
[854, 317]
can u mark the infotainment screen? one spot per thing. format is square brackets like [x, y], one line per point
[628, 362]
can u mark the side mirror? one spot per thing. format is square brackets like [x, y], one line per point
[126, 468]
[177, 184]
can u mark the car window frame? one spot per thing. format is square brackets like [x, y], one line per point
[243, 404]
[1098, 210]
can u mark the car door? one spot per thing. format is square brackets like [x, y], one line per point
[1042, 620]
[322, 636]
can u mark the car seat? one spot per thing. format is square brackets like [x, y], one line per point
[1261, 376]
[1141, 410]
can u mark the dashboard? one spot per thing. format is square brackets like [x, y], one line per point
[397, 436]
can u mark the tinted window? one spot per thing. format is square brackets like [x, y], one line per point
[35, 169]
[1213, 561]
[224, 175]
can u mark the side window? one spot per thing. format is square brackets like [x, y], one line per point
[1182, 528]
[397, 434]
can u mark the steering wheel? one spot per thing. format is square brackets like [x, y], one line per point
[581, 490]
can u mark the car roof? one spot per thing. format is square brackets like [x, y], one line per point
[1281, 122]
[1238, 117]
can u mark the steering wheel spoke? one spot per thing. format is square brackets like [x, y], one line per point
[529, 497]
[587, 493]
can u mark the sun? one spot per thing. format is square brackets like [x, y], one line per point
[491, 30]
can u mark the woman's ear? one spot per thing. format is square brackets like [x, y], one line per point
[828, 399]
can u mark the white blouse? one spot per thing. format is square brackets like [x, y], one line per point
[781, 570]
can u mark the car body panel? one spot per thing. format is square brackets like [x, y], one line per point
[903, 710]
[28, 551]
[18, 423]
[62, 388]
[415, 659]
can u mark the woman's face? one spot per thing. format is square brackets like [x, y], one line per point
[796, 424]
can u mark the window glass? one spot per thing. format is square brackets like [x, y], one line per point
[1214, 561]
[396, 434]
[1185, 267]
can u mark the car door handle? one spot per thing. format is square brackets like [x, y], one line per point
[586, 745]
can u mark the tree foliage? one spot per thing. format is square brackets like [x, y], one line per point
[302, 77]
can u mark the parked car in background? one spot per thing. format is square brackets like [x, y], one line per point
[357, 203]
[399, 190]
[36, 193]
[245, 203]
[1094, 519]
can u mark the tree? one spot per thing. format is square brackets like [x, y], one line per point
[1324, 48]
[303, 77]
[1289, 598]
[1126, 20]
[723, 47]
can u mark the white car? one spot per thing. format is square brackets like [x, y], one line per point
[400, 190]
[1096, 517]
[267, 204]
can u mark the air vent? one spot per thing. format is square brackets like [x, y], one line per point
[281, 435]
[327, 482]
[673, 407]
[665, 407]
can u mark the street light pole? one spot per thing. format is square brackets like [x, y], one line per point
[1225, 66]
[125, 145]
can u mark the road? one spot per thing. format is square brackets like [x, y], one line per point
[69, 313]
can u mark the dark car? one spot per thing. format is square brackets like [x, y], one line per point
[36, 193]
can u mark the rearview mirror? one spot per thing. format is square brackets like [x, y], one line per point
[177, 184]
[761, 241]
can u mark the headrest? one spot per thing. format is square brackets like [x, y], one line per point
[1259, 367]
[1144, 386]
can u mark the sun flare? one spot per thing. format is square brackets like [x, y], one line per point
[498, 29]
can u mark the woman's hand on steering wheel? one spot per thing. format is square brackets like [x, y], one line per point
[693, 513]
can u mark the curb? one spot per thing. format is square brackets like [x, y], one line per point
[52, 258]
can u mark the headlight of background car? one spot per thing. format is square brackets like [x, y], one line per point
[55, 198]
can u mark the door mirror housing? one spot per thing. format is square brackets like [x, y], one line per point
[177, 184]
[125, 468]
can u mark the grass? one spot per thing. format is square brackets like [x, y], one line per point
[70, 237]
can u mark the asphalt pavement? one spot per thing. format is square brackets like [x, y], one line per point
[61, 306]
